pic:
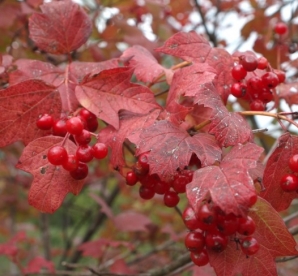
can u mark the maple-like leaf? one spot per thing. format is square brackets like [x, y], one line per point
[273, 237]
[147, 69]
[171, 148]
[229, 184]
[21, 106]
[195, 48]
[51, 183]
[61, 28]
[276, 167]
[131, 125]
[37, 263]
[111, 91]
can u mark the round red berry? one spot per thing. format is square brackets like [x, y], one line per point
[200, 259]
[143, 160]
[257, 105]
[249, 246]
[262, 63]
[194, 241]
[280, 28]
[161, 187]
[238, 72]
[59, 128]
[74, 126]
[87, 115]
[216, 242]
[83, 138]
[84, 153]
[80, 172]
[246, 226]
[71, 163]
[190, 219]
[146, 192]
[57, 155]
[131, 178]
[270, 80]
[181, 179]
[206, 215]
[293, 163]
[249, 62]
[289, 183]
[281, 75]
[171, 199]
[238, 89]
[227, 224]
[100, 150]
[45, 122]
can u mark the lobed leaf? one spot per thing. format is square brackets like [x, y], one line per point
[37, 263]
[61, 28]
[50, 183]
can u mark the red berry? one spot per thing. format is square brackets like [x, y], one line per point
[100, 150]
[45, 122]
[74, 126]
[143, 161]
[238, 89]
[270, 80]
[80, 172]
[216, 242]
[181, 179]
[57, 155]
[249, 62]
[84, 153]
[246, 226]
[227, 224]
[71, 163]
[83, 138]
[161, 187]
[281, 75]
[262, 63]
[238, 72]
[146, 192]
[257, 105]
[206, 215]
[59, 128]
[87, 115]
[171, 199]
[200, 259]
[249, 246]
[92, 125]
[293, 163]
[280, 28]
[194, 241]
[266, 96]
[252, 200]
[289, 183]
[254, 83]
[131, 178]
[189, 218]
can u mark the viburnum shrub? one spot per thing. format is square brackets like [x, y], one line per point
[186, 145]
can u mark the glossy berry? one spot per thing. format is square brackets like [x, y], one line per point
[83, 138]
[280, 28]
[59, 128]
[254, 83]
[87, 115]
[238, 72]
[84, 153]
[238, 89]
[80, 172]
[249, 246]
[200, 259]
[131, 178]
[146, 192]
[289, 183]
[194, 241]
[257, 105]
[270, 80]
[206, 215]
[293, 163]
[171, 199]
[161, 187]
[216, 242]
[227, 224]
[71, 163]
[189, 219]
[249, 62]
[57, 155]
[246, 226]
[100, 150]
[45, 122]
[266, 96]
[262, 63]
[74, 126]
[143, 160]
[92, 125]
[181, 179]
[281, 75]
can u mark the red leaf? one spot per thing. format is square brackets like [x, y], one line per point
[171, 148]
[131, 221]
[21, 106]
[10, 248]
[37, 263]
[229, 185]
[274, 240]
[61, 27]
[195, 48]
[131, 125]
[276, 167]
[50, 184]
[147, 69]
[120, 267]
[111, 91]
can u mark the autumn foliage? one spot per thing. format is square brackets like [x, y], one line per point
[176, 115]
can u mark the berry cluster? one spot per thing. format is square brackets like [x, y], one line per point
[80, 128]
[289, 182]
[152, 184]
[212, 229]
[255, 81]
